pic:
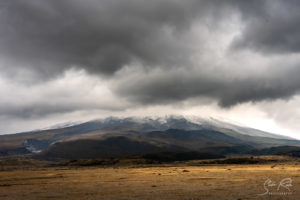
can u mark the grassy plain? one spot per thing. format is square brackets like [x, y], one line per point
[172, 181]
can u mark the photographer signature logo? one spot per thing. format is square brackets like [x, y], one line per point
[282, 188]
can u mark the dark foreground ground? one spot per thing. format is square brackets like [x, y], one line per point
[184, 180]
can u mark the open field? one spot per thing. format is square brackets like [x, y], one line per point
[159, 182]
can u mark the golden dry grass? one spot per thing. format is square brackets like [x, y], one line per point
[173, 182]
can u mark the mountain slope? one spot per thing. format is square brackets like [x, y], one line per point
[145, 134]
[111, 147]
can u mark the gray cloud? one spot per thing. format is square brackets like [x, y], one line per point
[73, 91]
[270, 26]
[170, 47]
[171, 87]
[100, 36]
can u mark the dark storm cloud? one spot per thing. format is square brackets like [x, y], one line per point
[271, 26]
[99, 35]
[168, 88]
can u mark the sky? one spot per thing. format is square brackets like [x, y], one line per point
[67, 61]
